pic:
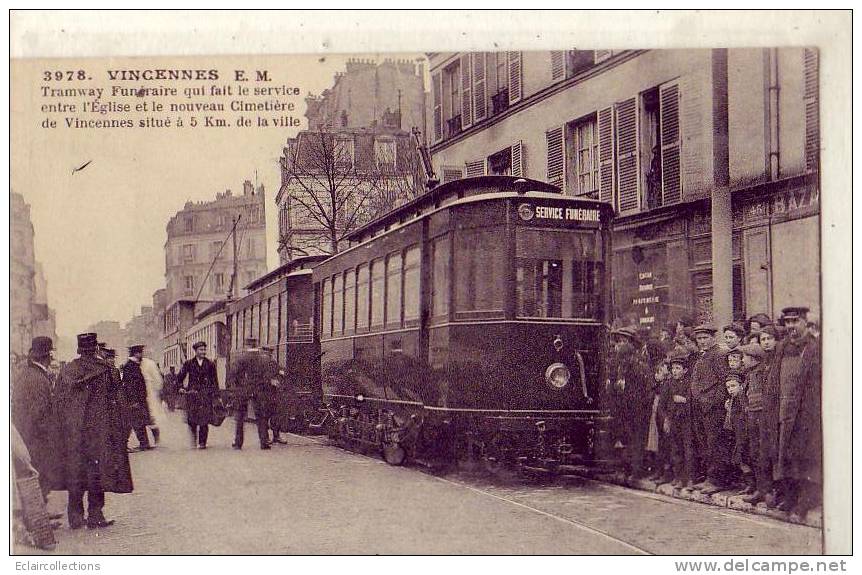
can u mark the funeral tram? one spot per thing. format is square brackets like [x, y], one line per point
[278, 313]
[470, 324]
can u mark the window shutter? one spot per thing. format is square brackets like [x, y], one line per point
[475, 168]
[466, 91]
[671, 176]
[602, 55]
[514, 77]
[812, 109]
[452, 173]
[606, 155]
[480, 92]
[628, 161]
[556, 157]
[558, 65]
[518, 159]
[437, 101]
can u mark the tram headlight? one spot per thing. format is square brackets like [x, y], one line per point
[558, 375]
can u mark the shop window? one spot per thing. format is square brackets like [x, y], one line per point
[393, 290]
[440, 257]
[480, 261]
[411, 284]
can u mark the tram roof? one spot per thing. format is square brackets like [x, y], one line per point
[302, 263]
[449, 190]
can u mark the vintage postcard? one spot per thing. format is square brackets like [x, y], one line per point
[551, 293]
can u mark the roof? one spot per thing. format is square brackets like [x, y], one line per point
[454, 189]
[284, 269]
[214, 308]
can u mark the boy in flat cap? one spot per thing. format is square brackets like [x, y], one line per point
[708, 394]
[676, 410]
[756, 372]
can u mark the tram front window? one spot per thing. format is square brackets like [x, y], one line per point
[558, 273]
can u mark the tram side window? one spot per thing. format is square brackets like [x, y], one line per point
[362, 293]
[326, 307]
[411, 284]
[393, 290]
[349, 301]
[378, 295]
[558, 273]
[440, 276]
[338, 304]
[480, 262]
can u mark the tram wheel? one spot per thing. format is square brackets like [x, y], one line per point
[394, 454]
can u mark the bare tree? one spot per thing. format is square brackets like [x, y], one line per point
[336, 183]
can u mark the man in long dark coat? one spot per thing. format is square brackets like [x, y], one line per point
[250, 377]
[135, 391]
[800, 431]
[33, 413]
[93, 444]
[201, 392]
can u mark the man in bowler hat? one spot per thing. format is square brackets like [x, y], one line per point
[33, 412]
[135, 390]
[202, 391]
[93, 446]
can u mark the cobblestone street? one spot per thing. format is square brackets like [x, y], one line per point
[311, 498]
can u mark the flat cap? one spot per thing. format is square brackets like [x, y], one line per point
[794, 312]
[705, 327]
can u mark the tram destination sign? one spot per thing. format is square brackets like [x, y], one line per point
[554, 215]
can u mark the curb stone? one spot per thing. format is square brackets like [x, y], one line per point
[720, 499]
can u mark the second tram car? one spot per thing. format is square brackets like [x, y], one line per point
[470, 323]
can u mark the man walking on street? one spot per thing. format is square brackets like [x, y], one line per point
[33, 412]
[93, 449]
[135, 388]
[249, 377]
[201, 392]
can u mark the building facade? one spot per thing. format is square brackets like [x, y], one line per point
[29, 312]
[367, 94]
[333, 182]
[196, 238]
[709, 157]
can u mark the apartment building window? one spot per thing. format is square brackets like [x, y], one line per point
[189, 223]
[218, 283]
[507, 162]
[189, 285]
[188, 253]
[586, 146]
[344, 152]
[651, 148]
[215, 248]
[384, 155]
[452, 84]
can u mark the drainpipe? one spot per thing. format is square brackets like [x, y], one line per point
[774, 134]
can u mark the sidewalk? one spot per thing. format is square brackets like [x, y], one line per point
[721, 499]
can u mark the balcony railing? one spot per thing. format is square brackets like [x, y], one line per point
[453, 126]
[500, 101]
